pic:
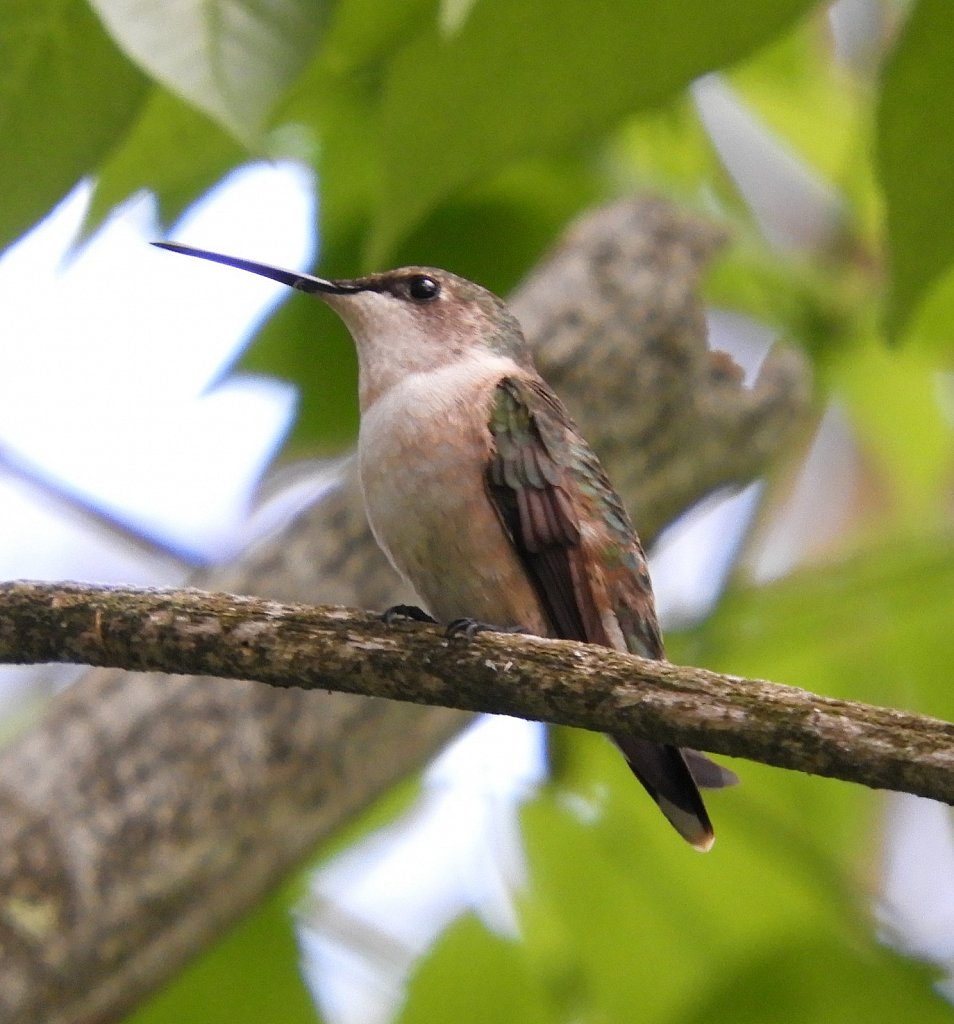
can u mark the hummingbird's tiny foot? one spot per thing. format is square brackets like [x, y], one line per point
[468, 628]
[405, 611]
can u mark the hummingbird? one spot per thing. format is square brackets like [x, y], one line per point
[485, 496]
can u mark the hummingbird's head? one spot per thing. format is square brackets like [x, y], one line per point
[416, 319]
[404, 321]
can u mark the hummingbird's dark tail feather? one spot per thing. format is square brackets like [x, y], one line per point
[667, 778]
[707, 773]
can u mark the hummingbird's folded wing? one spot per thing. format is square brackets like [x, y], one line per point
[528, 484]
[544, 482]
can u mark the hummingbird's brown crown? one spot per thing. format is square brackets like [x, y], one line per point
[463, 313]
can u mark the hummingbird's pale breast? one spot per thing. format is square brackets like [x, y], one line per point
[423, 451]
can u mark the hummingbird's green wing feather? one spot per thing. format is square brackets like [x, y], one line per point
[544, 479]
[527, 481]
[593, 585]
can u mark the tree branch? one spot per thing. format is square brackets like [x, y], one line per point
[190, 631]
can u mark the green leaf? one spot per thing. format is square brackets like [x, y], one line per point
[339, 108]
[540, 76]
[173, 151]
[627, 917]
[67, 95]
[816, 980]
[337, 98]
[872, 628]
[915, 158]
[233, 59]
[886, 387]
[472, 975]
[304, 343]
[666, 149]
[492, 233]
[250, 976]
[807, 99]
[931, 317]
[644, 921]
[367, 30]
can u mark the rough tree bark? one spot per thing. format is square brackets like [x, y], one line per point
[559, 681]
[141, 815]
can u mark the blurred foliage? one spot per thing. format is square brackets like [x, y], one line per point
[442, 991]
[149, 156]
[466, 134]
[67, 97]
[232, 60]
[916, 157]
[620, 921]
[251, 975]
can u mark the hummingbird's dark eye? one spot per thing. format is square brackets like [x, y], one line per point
[423, 288]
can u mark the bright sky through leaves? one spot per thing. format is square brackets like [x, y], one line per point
[106, 362]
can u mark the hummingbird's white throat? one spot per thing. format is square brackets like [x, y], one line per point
[396, 339]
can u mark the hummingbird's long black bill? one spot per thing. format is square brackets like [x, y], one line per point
[293, 278]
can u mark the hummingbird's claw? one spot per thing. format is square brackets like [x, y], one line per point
[405, 611]
[468, 628]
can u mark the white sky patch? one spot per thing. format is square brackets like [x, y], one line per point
[915, 909]
[794, 207]
[105, 359]
[380, 905]
[693, 558]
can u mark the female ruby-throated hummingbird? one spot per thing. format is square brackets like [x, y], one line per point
[484, 495]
